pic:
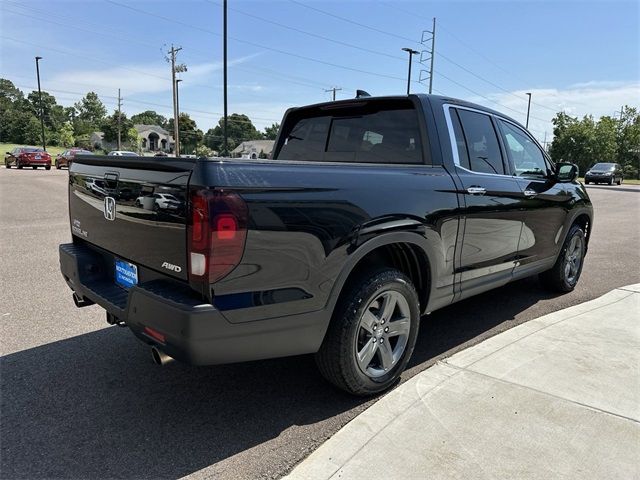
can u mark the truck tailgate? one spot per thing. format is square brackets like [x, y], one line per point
[133, 207]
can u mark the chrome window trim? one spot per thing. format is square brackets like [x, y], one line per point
[452, 138]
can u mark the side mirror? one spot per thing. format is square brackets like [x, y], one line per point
[566, 172]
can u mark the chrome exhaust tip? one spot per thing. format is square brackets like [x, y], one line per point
[81, 302]
[160, 358]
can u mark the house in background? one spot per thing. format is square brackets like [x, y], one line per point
[154, 138]
[253, 149]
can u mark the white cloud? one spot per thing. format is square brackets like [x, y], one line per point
[585, 98]
[134, 79]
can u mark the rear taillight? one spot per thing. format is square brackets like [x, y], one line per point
[217, 233]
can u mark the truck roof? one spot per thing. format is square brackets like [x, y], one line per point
[437, 99]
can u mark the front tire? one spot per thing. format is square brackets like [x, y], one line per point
[34, 167]
[57, 165]
[620, 181]
[48, 167]
[372, 333]
[19, 166]
[565, 273]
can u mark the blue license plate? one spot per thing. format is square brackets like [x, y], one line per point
[126, 274]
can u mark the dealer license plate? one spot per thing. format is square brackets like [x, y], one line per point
[126, 274]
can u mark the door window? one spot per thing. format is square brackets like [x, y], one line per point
[481, 143]
[527, 157]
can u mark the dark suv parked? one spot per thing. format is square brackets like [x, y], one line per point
[604, 173]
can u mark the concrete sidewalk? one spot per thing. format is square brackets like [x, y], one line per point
[556, 397]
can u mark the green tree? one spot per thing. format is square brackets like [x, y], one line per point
[110, 129]
[65, 135]
[91, 114]
[628, 140]
[270, 133]
[149, 117]
[54, 115]
[32, 133]
[190, 134]
[240, 129]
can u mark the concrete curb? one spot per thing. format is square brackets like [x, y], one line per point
[573, 375]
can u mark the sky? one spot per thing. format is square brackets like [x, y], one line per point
[581, 57]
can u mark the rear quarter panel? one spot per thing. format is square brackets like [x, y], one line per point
[304, 224]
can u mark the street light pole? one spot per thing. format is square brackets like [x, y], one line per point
[224, 61]
[44, 143]
[528, 109]
[178, 105]
[411, 53]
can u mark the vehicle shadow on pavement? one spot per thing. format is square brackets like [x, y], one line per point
[94, 406]
[448, 330]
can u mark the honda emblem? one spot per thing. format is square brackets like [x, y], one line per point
[110, 208]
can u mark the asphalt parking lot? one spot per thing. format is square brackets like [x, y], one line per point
[80, 399]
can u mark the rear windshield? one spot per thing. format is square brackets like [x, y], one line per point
[31, 150]
[604, 166]
[369, 132]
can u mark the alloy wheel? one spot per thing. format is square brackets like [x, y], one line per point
[573, 259]
[383, 332]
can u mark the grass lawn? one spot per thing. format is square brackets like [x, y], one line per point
[7, 147]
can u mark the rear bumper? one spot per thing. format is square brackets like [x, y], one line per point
[194, 332]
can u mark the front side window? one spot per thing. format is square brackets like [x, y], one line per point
[481, 142]
[527, 157]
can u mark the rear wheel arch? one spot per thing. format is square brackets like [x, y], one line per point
[408, 252]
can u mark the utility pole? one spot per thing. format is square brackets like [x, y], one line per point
[224, 61]
[119, 121]
[544, 143]
[178, 99]
[411, 53]
[44, 143]
[334, 90]
[433, 54]
[528, 109]
[175, 69]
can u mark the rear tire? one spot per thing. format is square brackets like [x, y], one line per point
[565, 273]
[7, 165]
[34, 167]
[372, 333]
[620, 181]
[58, 165]
[19, 166]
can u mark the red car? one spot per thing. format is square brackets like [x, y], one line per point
[33, 157]
[65, 158]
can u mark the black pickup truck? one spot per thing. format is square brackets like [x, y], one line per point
[372, 212]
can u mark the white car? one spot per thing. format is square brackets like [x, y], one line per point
[158, 201]
[123, 153]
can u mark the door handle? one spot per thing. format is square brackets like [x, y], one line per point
[476, 190]
[530, 193]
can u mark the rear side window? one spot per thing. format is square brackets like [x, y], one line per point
[481, 143]
[386, 135]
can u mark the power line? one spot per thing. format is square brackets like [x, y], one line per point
[257, 45]
[310, 34]
[100, 30]
[353, 22]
